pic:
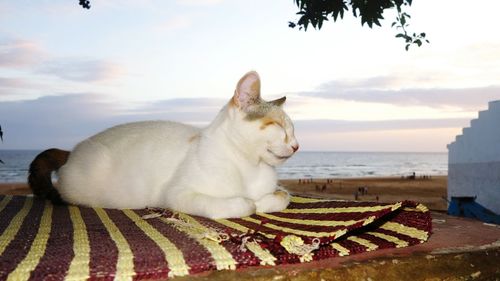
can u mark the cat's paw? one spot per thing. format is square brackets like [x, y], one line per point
[273, 202]
[236, 207]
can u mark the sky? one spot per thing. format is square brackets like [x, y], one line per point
[67, 73]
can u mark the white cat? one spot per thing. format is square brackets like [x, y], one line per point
[225, 170]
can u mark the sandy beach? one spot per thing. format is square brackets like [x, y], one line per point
[429, 191]
[14, 188]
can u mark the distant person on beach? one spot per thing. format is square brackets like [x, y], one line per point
[411, 177]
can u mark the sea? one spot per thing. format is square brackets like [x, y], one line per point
[304, 164]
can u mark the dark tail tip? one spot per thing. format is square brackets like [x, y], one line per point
[40, 174]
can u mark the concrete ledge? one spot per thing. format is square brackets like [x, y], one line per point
[459, 249]
[481, 265]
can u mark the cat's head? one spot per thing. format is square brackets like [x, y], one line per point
[262, 126]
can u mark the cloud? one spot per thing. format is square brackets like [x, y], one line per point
[385, 89]
[423, 135]
[19, 53]
[185, 105]
[340, 126]
[195, 111]
[81, 70]
[12, 87]
[62, 121]
[59, 121]
[14, 83]
[416, 140]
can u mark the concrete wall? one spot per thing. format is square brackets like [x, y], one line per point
[474, 160]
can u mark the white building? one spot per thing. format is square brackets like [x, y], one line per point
[474, 160]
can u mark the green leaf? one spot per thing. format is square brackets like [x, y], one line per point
[403, 20]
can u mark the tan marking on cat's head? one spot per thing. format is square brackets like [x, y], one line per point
[275, 116]
[267, 121]
[193, 138]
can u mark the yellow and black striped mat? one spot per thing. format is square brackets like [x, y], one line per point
[41, 241]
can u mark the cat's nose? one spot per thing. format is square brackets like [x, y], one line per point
[295, 147]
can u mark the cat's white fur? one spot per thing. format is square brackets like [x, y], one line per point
[224, 170]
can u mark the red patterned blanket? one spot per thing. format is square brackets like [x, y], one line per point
[42, 241]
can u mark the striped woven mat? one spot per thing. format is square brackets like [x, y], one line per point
[42, 241]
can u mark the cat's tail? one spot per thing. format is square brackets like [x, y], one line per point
[40, 174]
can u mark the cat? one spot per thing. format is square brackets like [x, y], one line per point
[225, 170]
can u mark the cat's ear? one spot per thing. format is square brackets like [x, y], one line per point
[247, 91]
[278, 102]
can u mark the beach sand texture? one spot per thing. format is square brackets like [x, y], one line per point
[430, 191]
